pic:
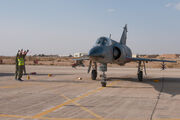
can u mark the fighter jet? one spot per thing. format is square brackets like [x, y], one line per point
[107, 51]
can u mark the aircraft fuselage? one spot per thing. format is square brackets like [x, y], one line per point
[109, 51]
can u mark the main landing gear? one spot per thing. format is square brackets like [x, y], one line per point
[93, 74]
[140, 71]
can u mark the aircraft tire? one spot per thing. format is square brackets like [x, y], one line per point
[140, 76]
[103, 84]
[93, 74]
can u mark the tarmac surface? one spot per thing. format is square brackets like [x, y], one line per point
[63, 96]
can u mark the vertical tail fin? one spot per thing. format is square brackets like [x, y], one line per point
[109, 36]
[124, 36]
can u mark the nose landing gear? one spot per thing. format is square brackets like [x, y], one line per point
[103, 68]
[103, 80]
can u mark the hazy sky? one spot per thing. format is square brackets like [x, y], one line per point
[68, 26]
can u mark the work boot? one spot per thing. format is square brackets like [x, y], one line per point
[20, 79]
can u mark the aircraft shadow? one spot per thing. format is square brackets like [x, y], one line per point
[165, 85]
[6, 74]
[170, 85]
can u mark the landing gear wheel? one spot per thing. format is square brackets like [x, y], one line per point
[140, 76]
[93, 74]
[103, 84]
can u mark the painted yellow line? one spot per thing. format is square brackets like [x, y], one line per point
[69, 101]
[85, 109]
[68, 118]
[48, 118]
[14, 116]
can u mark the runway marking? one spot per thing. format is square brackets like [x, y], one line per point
[48, 118]
[14, 116]
[85, 109]
[70, 101]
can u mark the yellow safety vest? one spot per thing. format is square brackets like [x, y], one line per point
[20, 61]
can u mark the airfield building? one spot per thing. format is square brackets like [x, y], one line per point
[80, 54]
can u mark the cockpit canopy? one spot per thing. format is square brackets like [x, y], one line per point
[103, 41]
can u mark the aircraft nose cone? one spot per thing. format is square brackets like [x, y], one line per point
[96, 52]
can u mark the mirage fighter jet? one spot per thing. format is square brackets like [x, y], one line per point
[107, 51]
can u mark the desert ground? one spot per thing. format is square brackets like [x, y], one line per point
[63, 96]
[68, 61]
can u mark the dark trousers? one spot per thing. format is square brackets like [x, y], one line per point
[24, 69]
[20, 72]
[16, 72]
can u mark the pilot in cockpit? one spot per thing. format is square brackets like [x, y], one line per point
[103, 41]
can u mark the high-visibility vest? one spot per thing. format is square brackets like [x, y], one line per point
[21, 61]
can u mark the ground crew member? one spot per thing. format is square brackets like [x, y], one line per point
[24, 56]
[16, 61]
[20, 66]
